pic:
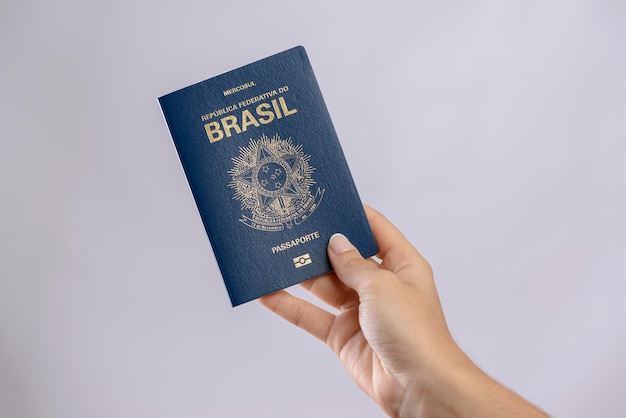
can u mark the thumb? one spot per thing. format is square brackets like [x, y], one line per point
[351, 268]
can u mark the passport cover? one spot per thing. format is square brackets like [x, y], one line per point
[267, 173]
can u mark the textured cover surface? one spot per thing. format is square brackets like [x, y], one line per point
[267, 172]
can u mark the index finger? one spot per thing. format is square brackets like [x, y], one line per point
[303, 314]
[395, 251]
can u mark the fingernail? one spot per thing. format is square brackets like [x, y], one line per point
[339, 244]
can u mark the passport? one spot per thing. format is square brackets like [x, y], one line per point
[267, 173]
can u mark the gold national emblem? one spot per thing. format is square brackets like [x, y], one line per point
[272, 179]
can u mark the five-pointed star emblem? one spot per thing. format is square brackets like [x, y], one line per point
[269, 166]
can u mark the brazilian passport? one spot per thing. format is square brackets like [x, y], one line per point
[267, 172]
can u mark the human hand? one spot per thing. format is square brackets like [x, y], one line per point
[390, 332]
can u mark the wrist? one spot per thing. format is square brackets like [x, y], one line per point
[440, 382]
[455, 387]
[450, 385]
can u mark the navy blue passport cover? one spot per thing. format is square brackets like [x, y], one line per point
[267, 172]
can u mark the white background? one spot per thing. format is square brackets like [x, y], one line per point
[493, 133]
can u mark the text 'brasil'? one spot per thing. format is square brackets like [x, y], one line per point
[263, 114]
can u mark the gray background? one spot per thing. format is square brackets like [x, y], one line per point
[492, 133]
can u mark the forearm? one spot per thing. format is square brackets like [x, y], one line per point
[459, 389]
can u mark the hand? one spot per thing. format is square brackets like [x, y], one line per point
[390, 332]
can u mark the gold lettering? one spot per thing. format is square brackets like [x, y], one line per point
[283, 105]
[213, 131]
[247, 119]
[276, 109]
[230, 122]
[269, 115]
[263, 114]
[295, 242]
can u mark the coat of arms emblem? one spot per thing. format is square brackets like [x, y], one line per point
[273, 180]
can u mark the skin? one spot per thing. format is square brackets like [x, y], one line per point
[391, 335]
